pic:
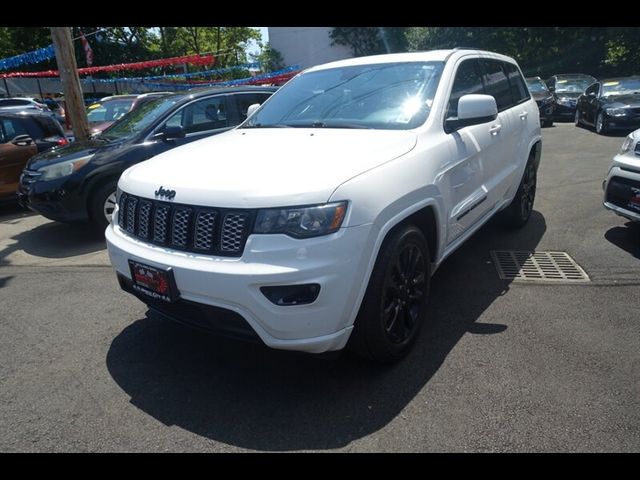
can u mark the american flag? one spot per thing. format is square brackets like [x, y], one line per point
[87, 49]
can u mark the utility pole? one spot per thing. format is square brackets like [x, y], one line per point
[68, 68]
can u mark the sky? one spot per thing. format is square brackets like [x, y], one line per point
[253, 47]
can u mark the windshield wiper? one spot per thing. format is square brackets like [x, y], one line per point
[268, 125]
[320, 124]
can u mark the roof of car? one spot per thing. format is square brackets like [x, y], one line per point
[617, 79]
[425, 56]
[241, 88]
[573, 75]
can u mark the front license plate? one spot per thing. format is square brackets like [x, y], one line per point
[157, 283]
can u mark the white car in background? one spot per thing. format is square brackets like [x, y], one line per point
[622, 185]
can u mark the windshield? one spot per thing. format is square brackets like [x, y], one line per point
[573, 85]
[621, 87]
[536, 86]
[109, 110]
[139, 119]
[383, 96]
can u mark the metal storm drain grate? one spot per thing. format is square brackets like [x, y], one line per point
[538, 266]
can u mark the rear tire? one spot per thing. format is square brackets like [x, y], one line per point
[394, 304]
[101, 206]
[547, 123]
[517, 214]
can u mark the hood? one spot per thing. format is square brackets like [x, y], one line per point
[622, 100]
[73, 151]
[59, 154]
[254, 168]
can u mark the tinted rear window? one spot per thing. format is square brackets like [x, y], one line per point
[48, 126]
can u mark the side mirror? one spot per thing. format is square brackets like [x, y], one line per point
[591, 94]
[252, 108]
[472, 110]
[22, 140]
[173, 132]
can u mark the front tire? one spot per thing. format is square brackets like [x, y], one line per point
[601, 124]
[394, 304]
[101, 206]
[517, 214]
[576, 119]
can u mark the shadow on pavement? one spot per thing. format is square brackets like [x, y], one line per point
[11, 212]
[256, 398]
[55, 240]
[627, 238]
[4, 281]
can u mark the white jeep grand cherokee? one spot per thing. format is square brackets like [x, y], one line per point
[319, 221]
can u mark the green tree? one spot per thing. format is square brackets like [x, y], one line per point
[270, 59]
[370, 40]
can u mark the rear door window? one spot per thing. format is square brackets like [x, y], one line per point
[519, 90]
[203, 115]
[13, 127]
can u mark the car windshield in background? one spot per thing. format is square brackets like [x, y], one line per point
[393, 96]
[109, 110]
[621, 87]
[537, 86]
[573, 85]
[136, 121]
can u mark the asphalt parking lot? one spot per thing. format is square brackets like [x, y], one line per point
[500, 366]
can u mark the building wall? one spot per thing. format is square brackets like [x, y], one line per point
[306, 46]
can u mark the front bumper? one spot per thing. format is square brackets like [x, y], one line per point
[622, 191]
[565, 111]
[547, 112]
[622, 123]
[52, 199]
[336, 262]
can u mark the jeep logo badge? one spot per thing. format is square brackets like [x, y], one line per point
[168, 194]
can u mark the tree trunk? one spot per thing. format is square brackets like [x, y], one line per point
[68, 68]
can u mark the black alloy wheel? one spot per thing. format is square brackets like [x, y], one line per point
[403, 294]
[394, 304]
[519, 210]
[528, 191]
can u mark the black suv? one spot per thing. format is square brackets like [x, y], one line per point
[78, 182]
[22, 135]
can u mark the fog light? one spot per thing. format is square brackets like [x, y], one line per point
[285, 295]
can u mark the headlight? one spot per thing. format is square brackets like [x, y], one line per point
[62, 169]
[616, 112]
[626, 145]
[302, 222]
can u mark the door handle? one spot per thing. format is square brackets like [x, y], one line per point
[495, 129]
[524, 115]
